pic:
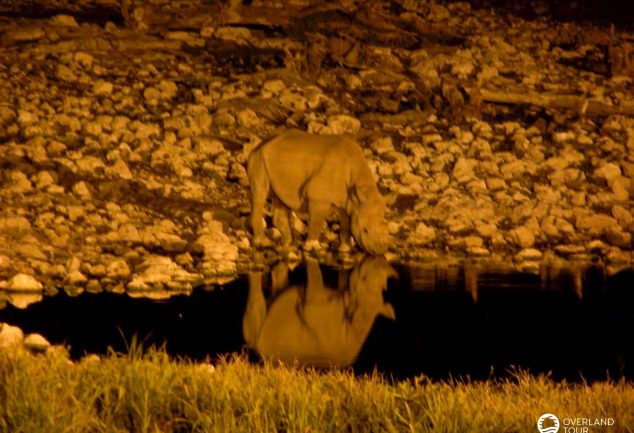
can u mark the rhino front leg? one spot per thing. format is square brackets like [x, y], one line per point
[317, 214]
[260, 186]
[281, 220]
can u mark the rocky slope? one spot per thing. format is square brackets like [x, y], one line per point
[122, 151]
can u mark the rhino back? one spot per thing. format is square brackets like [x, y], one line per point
[296, 159]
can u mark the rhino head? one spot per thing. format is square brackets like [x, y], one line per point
[368, 225]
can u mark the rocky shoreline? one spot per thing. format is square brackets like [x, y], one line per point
[122, 149]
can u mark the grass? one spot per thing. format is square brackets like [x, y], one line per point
[149, 392]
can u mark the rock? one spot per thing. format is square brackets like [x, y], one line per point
[463, 170]
[119, 169]
[157, 273]
[422, 235]
[118, 269]
[168, 89]
[529, 254]
[75, 278]
[438, 12]
[22, 300]
[248, 118]
[272, 88]
[129, 233]
[64, 73]
[241, 35]
[523, 237]
[36, 343]
[64, 20]
[23, 283]
[14, 224]
[617, 237]
[607, 172]
[81, 190]
[151, 94]
[343, 124]
[28, 34]
[10, 336]
[5, 261]
[594, 224]
[83, 59]
[622, 215]
[102, 88]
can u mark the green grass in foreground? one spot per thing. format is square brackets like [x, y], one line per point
[149, 392]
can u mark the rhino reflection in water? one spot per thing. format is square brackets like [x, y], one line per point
[315, 325]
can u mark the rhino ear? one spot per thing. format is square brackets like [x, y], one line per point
[388, 311]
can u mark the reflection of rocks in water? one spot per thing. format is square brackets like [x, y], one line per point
[316, 324]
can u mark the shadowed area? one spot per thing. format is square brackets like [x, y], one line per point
[442, 320]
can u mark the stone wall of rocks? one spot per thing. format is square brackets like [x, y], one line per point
[123, 151]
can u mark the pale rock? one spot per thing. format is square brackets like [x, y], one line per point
[463, 170]
[168, 89]
[36, 343]
[292, 100]
[422, 235]
[620, 187]
[119, 169]
[272, 87]
[90, 165]
[65, 73]
[151, 94]
[343, 124]
[43, 180]
[5, 261]
[594, 224]
[529, 254]
[382, 145]
[607, 172]
[522, 236]
[438, 12]
[14, 224]
[102, 88]
[129, 233]
[495, 184]
[83, 59]
[240, 35]
[563, 137]
[81, 190]
[25, 34]
[24, 283]
[248, 118]
[10, 336]
[223, 119]
[75, 278]
[64, 21]
[616, 236]
[157, 273]
[27, 117]
[622, 215]
[117, 269]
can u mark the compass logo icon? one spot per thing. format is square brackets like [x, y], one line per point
[548, 423]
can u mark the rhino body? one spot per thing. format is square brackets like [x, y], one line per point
[316, 174]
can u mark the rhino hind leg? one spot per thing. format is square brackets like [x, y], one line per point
[260, 186]
[344, 232]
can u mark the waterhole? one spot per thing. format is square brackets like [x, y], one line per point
[442, 320]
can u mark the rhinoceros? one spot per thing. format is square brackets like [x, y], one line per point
[316, 174]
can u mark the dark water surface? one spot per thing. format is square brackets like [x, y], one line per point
[440, 320]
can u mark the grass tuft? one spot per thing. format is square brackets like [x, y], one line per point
[146, 391]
